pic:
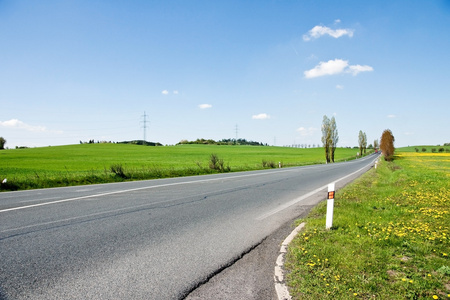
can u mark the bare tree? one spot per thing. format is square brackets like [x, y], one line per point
[387, 145]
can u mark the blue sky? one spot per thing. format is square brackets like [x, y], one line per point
[82, 70]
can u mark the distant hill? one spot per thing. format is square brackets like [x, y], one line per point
[141, 142]
[222, 142]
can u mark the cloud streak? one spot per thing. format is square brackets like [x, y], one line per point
[307, 131]
[262, 116]
[17, 124]
[205, 106]
[334, 67]
[166, 92]
[318, 31]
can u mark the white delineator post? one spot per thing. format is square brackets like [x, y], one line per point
[330, 205]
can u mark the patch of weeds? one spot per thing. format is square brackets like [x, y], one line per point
[118, 170]
[268, 164]
[217, 164]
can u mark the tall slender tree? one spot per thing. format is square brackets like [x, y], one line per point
[362, 142]
[330, 137]
[334, 137]
[365, 143]
[387, 145]
[376, 144]
[326, 137]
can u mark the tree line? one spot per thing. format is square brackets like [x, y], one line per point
[330, 138]
[221, 142]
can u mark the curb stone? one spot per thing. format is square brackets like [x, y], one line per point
[280, 286]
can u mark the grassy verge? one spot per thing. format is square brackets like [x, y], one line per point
[101, 163]
[390, 237]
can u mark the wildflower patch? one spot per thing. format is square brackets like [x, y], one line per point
[390, 238]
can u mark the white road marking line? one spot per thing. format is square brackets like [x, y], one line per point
[280, 286]
[301, 198]
[138, 189]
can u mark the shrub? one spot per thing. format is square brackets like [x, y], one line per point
[118, 170]
[268, 164]
[217, 164]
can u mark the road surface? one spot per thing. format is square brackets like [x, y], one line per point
[156, 239]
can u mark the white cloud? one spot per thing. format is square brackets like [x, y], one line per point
[14, 123]
[336, 66]
[391, 116]
[319, 31]
[166, 92]
[205, 106]
[340, 87]
[261, 117]
[330, 67]
[358, 68]
[307, 131]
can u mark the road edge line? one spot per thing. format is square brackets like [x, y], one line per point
[280, 285]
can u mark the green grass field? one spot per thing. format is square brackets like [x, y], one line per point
[91, 163]
[390, 237]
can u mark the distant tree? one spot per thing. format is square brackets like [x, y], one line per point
[376, 145]
[326, 137]
[362, 142]
[334, 137]
[2, 143]
[330, 137]
[365, 142]
[387, 145]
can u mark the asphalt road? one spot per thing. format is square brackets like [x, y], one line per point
[157, 239]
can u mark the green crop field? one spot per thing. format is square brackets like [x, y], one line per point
[100, 163]
[390, 237]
